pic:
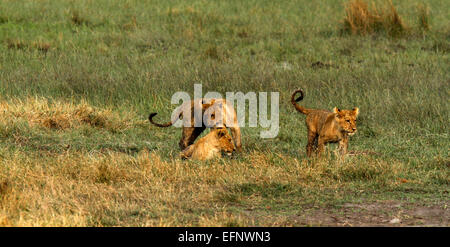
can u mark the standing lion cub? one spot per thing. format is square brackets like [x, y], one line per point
[325, 126]
[210, 146]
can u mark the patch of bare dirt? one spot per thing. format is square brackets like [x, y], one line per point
[388, 213]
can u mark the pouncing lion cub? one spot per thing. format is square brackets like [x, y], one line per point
[210, 146]
[326, 126]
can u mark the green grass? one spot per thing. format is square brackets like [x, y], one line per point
[125, 59]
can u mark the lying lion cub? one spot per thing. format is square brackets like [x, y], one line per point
[210, 146]
[325, 126]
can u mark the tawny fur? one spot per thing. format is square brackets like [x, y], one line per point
[190, 133]
[326, 126]
[210, 146]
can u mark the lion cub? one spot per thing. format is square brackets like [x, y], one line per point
[325, 126]
[210, 146]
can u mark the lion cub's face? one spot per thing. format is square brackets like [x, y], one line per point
[347, 119]
[224, 140]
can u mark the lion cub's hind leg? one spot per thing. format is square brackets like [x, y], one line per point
[312, 143]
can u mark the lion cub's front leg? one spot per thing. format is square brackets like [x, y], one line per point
[343, 145]
[187, 152]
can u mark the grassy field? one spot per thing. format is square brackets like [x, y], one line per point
[79, 78]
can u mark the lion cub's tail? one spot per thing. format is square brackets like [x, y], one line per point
[294, 102]
[150, 118]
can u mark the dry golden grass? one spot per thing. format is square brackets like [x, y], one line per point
[16, 44]
[21, 45]
[182, 11]
[85, 189]
[131, 25]
[363, 19]
[82, 187]
[63, 115]
[424, 17]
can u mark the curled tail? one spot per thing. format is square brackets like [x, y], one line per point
[294, 102]
[150, 118]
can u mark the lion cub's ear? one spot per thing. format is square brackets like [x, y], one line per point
[221, 132]
[336, 110]
[356, 111]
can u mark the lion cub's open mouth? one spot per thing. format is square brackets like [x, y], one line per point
[227, 153]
